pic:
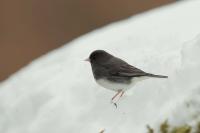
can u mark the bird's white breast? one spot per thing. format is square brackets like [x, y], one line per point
[119, 86]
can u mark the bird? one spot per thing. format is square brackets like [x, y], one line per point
[115, 74]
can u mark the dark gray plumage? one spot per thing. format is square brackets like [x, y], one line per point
[114, 73]
[105, 65]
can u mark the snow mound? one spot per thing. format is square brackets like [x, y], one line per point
[183, 107]
[57, 93]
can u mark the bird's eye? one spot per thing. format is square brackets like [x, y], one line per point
[94, 58]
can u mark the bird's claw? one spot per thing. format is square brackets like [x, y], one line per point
[115, 104]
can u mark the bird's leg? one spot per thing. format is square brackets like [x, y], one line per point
[112, 100]
[116, 95]
[122, 94]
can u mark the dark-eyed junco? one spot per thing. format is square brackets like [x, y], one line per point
[115, 74]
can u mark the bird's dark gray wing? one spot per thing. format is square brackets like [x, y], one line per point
[128, 71]
[120, 68]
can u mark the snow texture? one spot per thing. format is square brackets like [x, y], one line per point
[57, 92]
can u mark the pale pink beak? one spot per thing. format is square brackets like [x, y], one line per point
[87, 59]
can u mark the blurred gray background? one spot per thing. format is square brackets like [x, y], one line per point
[30, 28]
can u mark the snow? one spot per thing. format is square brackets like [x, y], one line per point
[57, 93]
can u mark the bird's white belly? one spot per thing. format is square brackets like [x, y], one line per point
[119, 86]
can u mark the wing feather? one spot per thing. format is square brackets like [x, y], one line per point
[129, 71]
[118, 67]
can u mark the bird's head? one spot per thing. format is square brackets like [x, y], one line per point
[98, 56]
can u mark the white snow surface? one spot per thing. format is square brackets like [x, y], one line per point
[57, 92]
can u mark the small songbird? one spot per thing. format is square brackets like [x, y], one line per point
[114, 73]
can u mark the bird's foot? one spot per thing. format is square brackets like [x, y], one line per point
[114, 103]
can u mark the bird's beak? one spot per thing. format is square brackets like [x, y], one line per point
[87, 59]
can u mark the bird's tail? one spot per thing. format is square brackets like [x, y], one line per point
[156, 76]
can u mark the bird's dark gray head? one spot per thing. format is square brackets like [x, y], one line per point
[99, 56]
